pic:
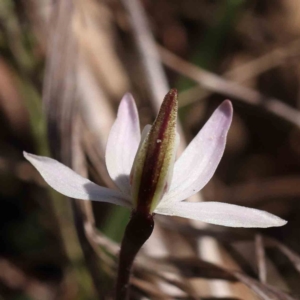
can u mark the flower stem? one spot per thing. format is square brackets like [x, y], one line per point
[136, 234]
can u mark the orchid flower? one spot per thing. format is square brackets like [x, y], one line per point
[148, 178]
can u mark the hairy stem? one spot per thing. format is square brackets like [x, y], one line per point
[136, 234]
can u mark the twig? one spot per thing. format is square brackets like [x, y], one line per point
[246, 71]
[290, 254]
[258, 192]
[263, 291]
[261, 259]
[270, 60]
[156, 79]
[230, 89]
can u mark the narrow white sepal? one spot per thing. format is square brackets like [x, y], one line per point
[221, 214]
[67, 182]
[198, 162]
[122, 144]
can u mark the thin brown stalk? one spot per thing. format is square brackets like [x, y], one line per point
[261, 259]
[215, 83]
[153, 70]
[246, 71]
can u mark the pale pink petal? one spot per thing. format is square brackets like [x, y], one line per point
[123, 143]
[67, 182]
[221, 214]
[198, 163]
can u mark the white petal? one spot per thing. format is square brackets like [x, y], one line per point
[221, 214]
[123, 142]
[198, 163]
[67, 182]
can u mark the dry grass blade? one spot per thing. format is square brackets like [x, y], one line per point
[290, 254]
[59, 97]
[165, 273]
[59, 91]
[261, 260]
[156, 79]
[214, 83]
[219, 233]
[264, 63]
[264, 291]
[191, 267]
[150, 288]
[247, 71]
[256, 193]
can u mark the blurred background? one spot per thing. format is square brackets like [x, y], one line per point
[64, 66]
